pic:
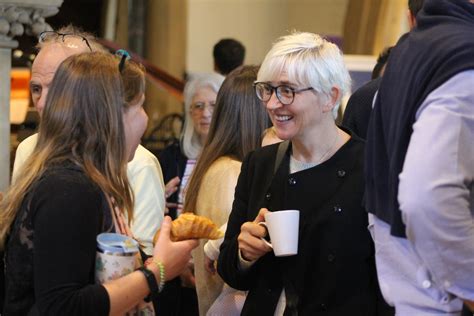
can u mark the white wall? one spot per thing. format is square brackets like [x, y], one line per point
[256, 23]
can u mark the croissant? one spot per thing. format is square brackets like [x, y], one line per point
[191, 226]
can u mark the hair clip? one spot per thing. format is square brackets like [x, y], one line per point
[124, 56]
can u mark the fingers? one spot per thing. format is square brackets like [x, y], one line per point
[172, 186]
[165, 229]
[261, 215]
[251, 245]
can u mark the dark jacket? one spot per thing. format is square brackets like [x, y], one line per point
[173, 163]
[359, 107]
[441, 46]
[334, 271]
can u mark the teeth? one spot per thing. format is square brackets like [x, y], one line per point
[283, 118]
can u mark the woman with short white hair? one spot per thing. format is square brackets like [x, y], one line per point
[320, 173]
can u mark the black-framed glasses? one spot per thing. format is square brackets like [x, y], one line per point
[124, 56]
[284, 93]
[47, 36]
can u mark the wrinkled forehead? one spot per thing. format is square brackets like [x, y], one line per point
[52, 55]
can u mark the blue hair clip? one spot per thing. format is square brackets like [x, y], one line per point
[124, 56]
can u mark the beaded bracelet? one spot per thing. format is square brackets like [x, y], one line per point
[161, 269]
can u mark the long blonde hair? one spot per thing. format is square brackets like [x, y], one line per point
[81, 124]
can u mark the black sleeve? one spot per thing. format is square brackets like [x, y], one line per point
[66, 221]
[228, 262]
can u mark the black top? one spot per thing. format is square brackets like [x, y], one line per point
[441, 46]
[334, 271]
[50, 253]
[173, 163]
[359, 107]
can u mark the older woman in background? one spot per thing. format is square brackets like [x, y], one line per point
[301, 82]
[236, 129]
[178, 159]
[177, 162]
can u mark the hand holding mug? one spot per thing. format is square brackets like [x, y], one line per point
[283, 228]
[251, 246]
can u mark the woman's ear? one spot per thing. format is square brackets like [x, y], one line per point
[332, 99]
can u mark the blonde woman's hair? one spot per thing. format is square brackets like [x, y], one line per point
[190, 142]
[308, 60]
[81, 124]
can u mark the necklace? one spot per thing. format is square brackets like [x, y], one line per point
[330, 147]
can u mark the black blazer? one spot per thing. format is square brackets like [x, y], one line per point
[334, 271]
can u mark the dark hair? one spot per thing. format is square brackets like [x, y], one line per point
[228, 54]
[237, 125]
[414, 6]
[381, 61]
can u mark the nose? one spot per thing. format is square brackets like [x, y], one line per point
[207, 111]
[40, 103]
[273, 103]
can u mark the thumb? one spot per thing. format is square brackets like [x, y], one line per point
[165, 229]
[261, 215]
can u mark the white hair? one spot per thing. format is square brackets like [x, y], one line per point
[190, 144]
[308, 60]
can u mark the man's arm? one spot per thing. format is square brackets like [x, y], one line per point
[436, 185]
[146, 181]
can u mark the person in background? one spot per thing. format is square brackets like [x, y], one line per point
[419, 165]
[228, 54]
[74, 186]
[300, 83]
[379, 67]
[144, 171]
[237, 124]
[359, 106]
[178, 161]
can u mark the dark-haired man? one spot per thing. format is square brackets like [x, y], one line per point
[228, 54]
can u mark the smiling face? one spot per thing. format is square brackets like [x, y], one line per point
[202, 117]
[135, 121]
[297, 120]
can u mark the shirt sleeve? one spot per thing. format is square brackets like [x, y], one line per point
[67, 218]
[436, 185]
[148, 188]
[229, 264]
[23, 151]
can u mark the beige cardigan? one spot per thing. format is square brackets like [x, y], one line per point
[214, 201]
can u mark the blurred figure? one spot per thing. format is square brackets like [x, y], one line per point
[270, 137]
[379, 67]
[178, 161]
[300, 83]
[228, 54]
[236, 128]
[419, 165]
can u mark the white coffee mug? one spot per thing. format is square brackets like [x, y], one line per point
[283, 227]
